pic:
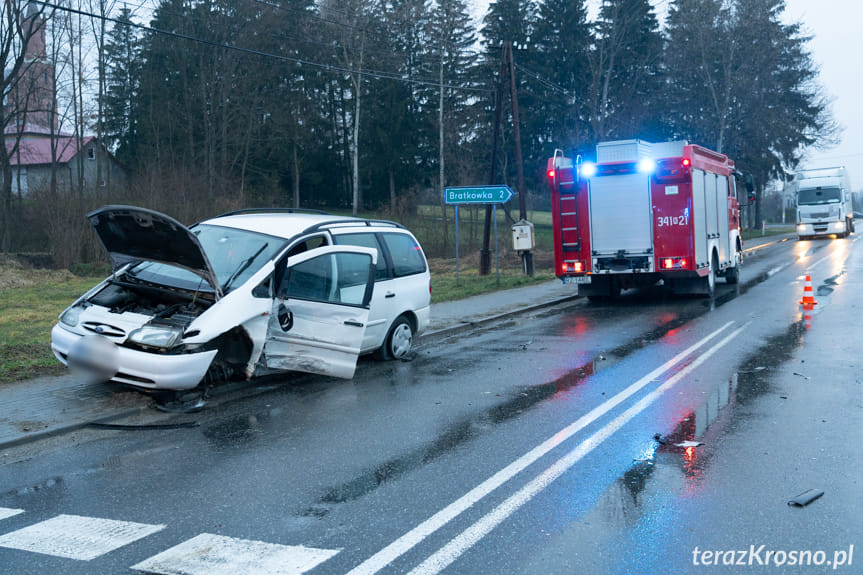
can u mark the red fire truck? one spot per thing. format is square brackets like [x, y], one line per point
[645, 212]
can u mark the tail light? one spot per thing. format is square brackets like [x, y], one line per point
[673, 263]
[572, 267]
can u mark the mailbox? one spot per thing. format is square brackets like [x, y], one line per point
[522, 235]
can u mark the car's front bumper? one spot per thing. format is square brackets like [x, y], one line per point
[140, 368]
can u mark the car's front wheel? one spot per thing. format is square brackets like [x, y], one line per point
[399, 340]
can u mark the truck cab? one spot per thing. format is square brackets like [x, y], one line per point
[823, 198]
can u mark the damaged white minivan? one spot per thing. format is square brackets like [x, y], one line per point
[244, 294]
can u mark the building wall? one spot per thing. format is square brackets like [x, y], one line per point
[33, 96]
[38, 177]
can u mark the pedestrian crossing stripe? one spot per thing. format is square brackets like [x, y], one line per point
[6, 512]
[75, 537]
[209, 554]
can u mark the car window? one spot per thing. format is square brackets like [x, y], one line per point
[236, 254]
[366, 240]
[353, 274]
[307, 244]
[330, 278]
[406, 254]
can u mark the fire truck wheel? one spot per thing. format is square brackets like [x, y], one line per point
[732, 275]
[710, 280]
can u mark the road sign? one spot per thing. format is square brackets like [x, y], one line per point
[477, 195]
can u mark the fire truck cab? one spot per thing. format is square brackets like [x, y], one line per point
[645, 212]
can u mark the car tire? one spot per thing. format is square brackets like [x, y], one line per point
[399, 340]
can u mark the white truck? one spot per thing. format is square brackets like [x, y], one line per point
[824, 203]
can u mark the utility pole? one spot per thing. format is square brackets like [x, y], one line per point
[526, 255]
[507, 67]
[485, 253]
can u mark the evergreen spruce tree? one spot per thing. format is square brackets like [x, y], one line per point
[702, 67]
[451, 59]
[558, 72]
[627, 73]
[507, 21]
[122, 56]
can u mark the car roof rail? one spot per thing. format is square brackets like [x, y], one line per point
[352, 223]
[273, 211]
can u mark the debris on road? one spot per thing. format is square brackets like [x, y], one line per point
[688, 444]
[191, 406]
[806, 498]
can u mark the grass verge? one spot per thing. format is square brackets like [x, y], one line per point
[30, 301]
[448, 287]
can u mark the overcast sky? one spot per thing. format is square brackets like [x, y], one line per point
[836, 46]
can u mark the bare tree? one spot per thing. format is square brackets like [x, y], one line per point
[20, 24]
[103, 9]
[352, 17]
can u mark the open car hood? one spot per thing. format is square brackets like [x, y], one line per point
[132, 234]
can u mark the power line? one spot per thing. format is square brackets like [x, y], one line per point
[328, 67]
[544, 81]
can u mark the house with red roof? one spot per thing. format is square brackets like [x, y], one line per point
[76, 163]
[37, 150]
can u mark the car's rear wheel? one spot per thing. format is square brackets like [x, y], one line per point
[399, 340]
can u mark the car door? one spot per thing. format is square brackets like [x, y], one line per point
[320, 311]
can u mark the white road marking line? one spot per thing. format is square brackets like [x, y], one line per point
[777, 269]
[209, 554]
[6, 512]
[75, 537]
[413, 537]
[454, 549]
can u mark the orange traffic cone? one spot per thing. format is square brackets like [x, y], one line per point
[808, 298]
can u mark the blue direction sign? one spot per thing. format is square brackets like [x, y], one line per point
[478, 195]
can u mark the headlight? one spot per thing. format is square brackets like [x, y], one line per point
[70, 316]
[839, 226]
[156, 336]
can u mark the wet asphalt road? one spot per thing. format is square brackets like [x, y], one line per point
[542, 444]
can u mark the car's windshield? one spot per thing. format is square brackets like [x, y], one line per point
[819, 196]
[234, 255]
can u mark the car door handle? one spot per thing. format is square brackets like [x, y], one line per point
[390, 294]
[354, 323]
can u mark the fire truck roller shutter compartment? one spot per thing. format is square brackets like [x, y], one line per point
[722, 214]
[620, 214]
[699, 220]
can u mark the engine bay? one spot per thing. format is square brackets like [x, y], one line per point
[166, 306]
